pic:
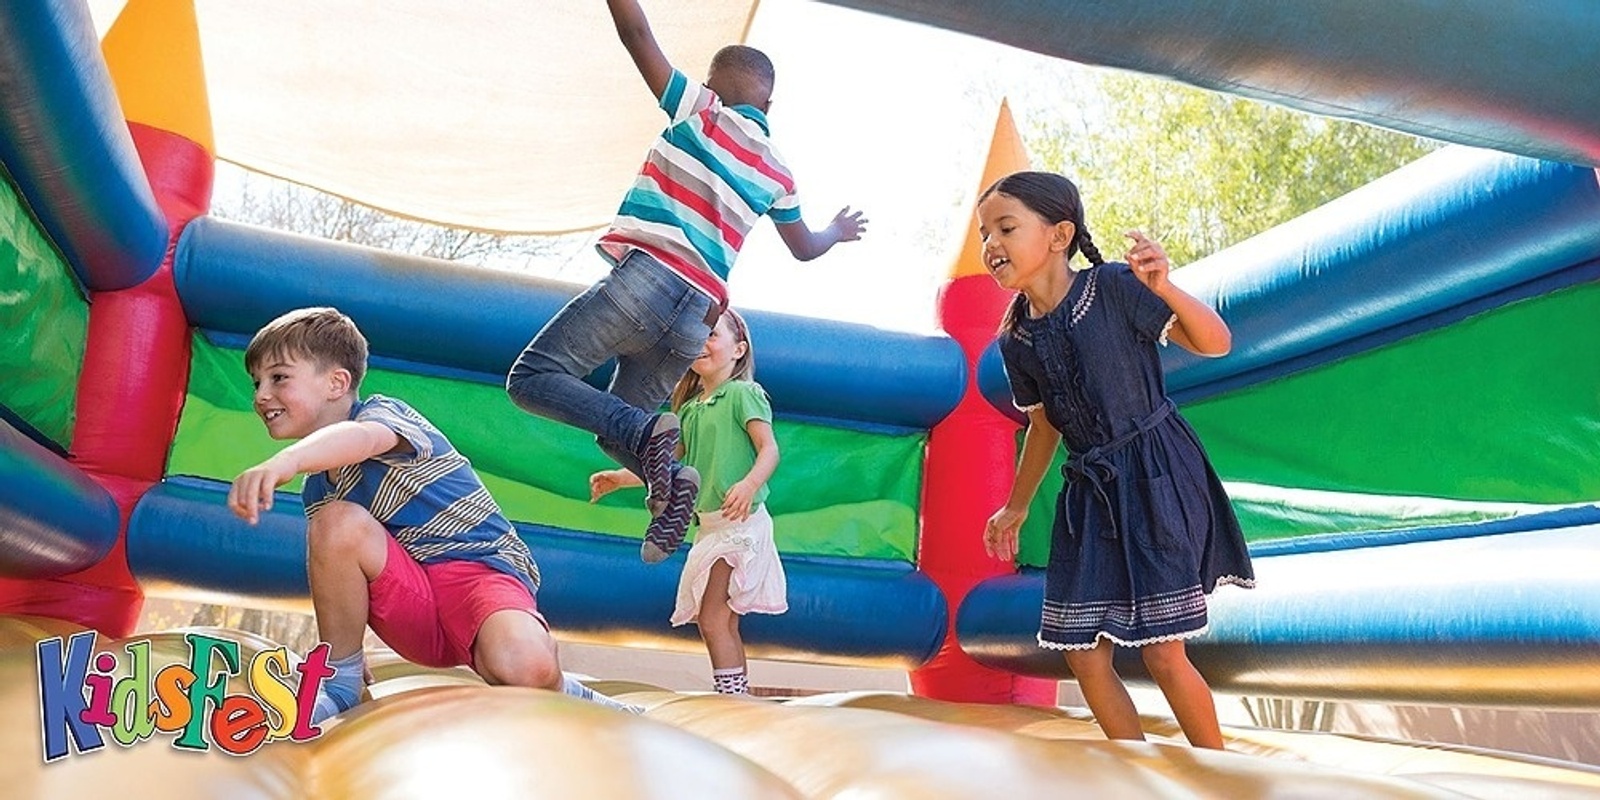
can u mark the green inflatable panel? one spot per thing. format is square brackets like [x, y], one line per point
[44, 323]
[1479, 420]
[837, 492]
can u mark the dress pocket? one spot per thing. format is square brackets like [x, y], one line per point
[1156, 518]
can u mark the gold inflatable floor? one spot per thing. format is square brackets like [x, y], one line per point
[443, 733]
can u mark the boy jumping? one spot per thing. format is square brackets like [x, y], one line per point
[709, 177]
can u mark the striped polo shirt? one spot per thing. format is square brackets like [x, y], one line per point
[430, 500]
[707, 180]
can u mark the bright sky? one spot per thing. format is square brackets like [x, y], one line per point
[893, 119]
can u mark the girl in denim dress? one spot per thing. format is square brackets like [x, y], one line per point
[1143, 529]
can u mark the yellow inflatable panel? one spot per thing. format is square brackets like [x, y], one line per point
[153, 53]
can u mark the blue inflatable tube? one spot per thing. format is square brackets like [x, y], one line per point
[54, 520]
[1509, 76]
[233, 278]
[1509, 615]
[855, 610]
[65, 144]
[594, 587]
[1457, 232]
[182, 532]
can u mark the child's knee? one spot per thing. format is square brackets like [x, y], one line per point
[1165, 659]
[1089, 663]
[531, 667]
[342, 527]
[512, 649]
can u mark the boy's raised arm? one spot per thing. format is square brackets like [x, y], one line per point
[334, 446]
[806, 244]
[633, 28]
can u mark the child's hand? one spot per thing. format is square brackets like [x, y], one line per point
[848, 225]
[251, 492]
[604, 483]
[1148, 260]
[736, 503]
[1000, 534]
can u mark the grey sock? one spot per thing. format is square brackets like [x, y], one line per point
[571, 686]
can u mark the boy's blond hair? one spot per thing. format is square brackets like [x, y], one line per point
[322, 335]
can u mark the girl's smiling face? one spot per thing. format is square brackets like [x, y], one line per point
[722, 350]
[1018, 244]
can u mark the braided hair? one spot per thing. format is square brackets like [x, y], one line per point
[1056, 199]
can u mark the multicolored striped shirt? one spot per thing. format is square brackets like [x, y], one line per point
[430, 499]
[706, 181]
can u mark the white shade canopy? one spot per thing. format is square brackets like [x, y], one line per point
[521, 116]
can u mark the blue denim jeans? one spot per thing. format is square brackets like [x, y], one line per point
[643, 314]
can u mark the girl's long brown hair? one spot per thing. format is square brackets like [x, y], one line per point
[744, 367]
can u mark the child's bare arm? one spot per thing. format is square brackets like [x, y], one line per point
[1199, 329]
[334, 446]
[806, 244]
[1001, 534]
[633, 28]
[607, 481]
[736, 504]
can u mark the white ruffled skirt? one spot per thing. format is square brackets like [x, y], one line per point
[757, 585]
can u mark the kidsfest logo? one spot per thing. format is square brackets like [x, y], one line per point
[80, 700]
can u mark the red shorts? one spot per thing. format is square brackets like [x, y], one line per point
[430, 613]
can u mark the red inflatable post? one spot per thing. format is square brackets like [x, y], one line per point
[136, 359]
[970, 462]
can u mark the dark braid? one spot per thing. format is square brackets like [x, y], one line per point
[1014, 311]
[1086, 244]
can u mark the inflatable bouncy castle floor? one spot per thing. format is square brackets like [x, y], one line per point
[428, 732]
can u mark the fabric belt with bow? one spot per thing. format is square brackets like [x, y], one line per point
[1094, 465]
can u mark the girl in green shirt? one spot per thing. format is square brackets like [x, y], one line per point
[733, 567]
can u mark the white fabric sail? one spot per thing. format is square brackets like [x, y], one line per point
[518, 116]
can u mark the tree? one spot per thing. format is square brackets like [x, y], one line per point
[1199, 170]
[263, 200]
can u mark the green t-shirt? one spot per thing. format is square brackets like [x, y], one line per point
[715, 440]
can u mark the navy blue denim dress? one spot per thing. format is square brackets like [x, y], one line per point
[1143, 528]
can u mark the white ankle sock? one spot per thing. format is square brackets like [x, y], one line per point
[732, 680]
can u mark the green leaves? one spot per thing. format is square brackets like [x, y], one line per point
[1199, 170]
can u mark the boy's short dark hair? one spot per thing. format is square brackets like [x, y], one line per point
[321, 334]
[756, 76]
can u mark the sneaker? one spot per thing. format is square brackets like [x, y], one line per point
[666, 531]
[656, 460]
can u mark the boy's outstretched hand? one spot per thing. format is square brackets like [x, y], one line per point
[252, 491]
[848, 225]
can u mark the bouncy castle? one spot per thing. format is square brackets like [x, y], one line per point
[1406, 425]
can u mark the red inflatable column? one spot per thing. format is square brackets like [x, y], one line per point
[136, 359]
[970, 461]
